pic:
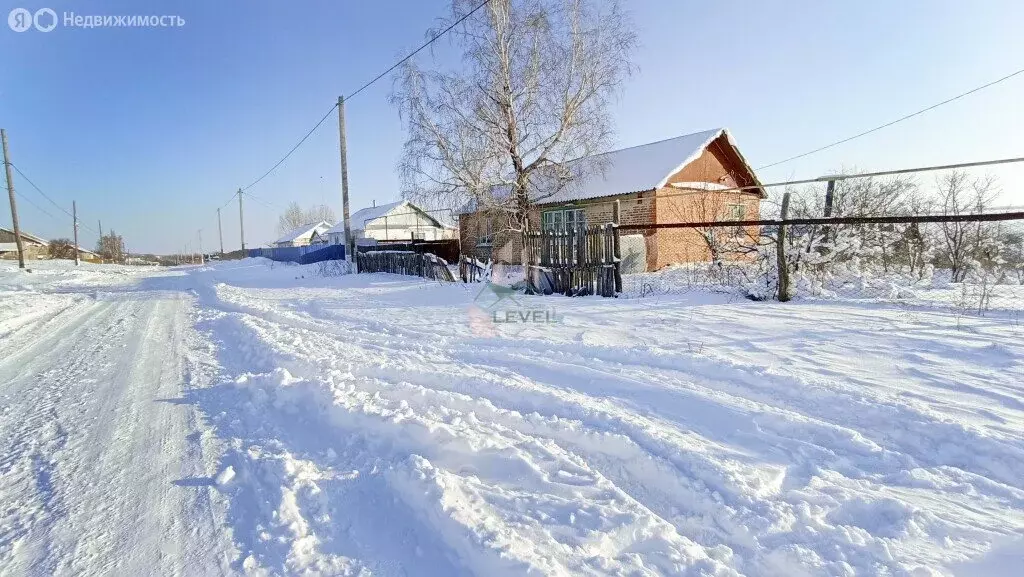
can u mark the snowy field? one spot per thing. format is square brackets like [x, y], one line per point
[252, 419]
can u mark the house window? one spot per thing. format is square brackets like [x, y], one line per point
[736, 212]
[485, 232]
[564, 219]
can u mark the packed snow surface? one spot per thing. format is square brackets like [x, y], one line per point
[250, 418]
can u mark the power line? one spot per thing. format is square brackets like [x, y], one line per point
[47, 197]
[294, 148]
[39, 208]
[230, 200]
[418, 50]
[364, 87]
[835, 177]
[888, 124]
[262, 200]
[44, 195]
[264, 203]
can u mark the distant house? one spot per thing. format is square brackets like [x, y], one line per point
[684, 179]
[319, 238]
[400, 220]
[302, 235]
[89, 256]
[34, 246]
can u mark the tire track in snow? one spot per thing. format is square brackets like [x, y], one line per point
[108, 505]
[360, 405]
[818, 432]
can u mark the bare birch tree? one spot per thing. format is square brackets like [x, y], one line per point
[295, 217]
[532, 94]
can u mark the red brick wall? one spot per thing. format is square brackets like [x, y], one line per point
[717, 165]
[679, 245]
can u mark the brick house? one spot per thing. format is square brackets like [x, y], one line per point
[682, 179]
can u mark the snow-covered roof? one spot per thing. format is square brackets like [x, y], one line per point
[636, 169]
[13, 247]
[27, 236]
[305, 231]
[363, 216]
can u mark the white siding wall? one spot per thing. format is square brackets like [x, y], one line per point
[400, 226]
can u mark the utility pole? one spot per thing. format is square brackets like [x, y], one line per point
[830, 192]
[780, 252]
[344, 181]
[241, 221]
[14, 205]
[100, 224]
[202, 257]
[74, 217]
[220, 233]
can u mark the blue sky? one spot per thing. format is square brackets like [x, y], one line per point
[151, 129]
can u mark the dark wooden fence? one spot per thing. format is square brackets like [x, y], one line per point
[448, 249]
[575, 262]
[470, 269]
[404, 262]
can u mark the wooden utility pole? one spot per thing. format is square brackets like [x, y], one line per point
[780, 252]
[74, 217]
[829, 197]
[220, 233]
[14, 205]
[241, 221]
[344, 181]
[99, 223]
[829, 200]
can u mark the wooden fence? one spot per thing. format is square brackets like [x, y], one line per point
[471, 270]
[575, 262]
[448, 249]
[404, 262]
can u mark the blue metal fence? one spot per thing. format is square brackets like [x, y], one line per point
[301, 254]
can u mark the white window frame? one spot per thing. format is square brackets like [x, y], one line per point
[557, 219]
[736, 212]
[486, 239]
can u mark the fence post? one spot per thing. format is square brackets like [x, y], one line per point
[780, 251]
[616, 248]
[829, 200]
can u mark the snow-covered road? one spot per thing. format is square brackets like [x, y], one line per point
[94, 438]
[242, 418]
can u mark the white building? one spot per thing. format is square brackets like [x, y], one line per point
[401, 220]
[302, 235]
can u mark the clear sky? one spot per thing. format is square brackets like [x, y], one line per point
[151, 129]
